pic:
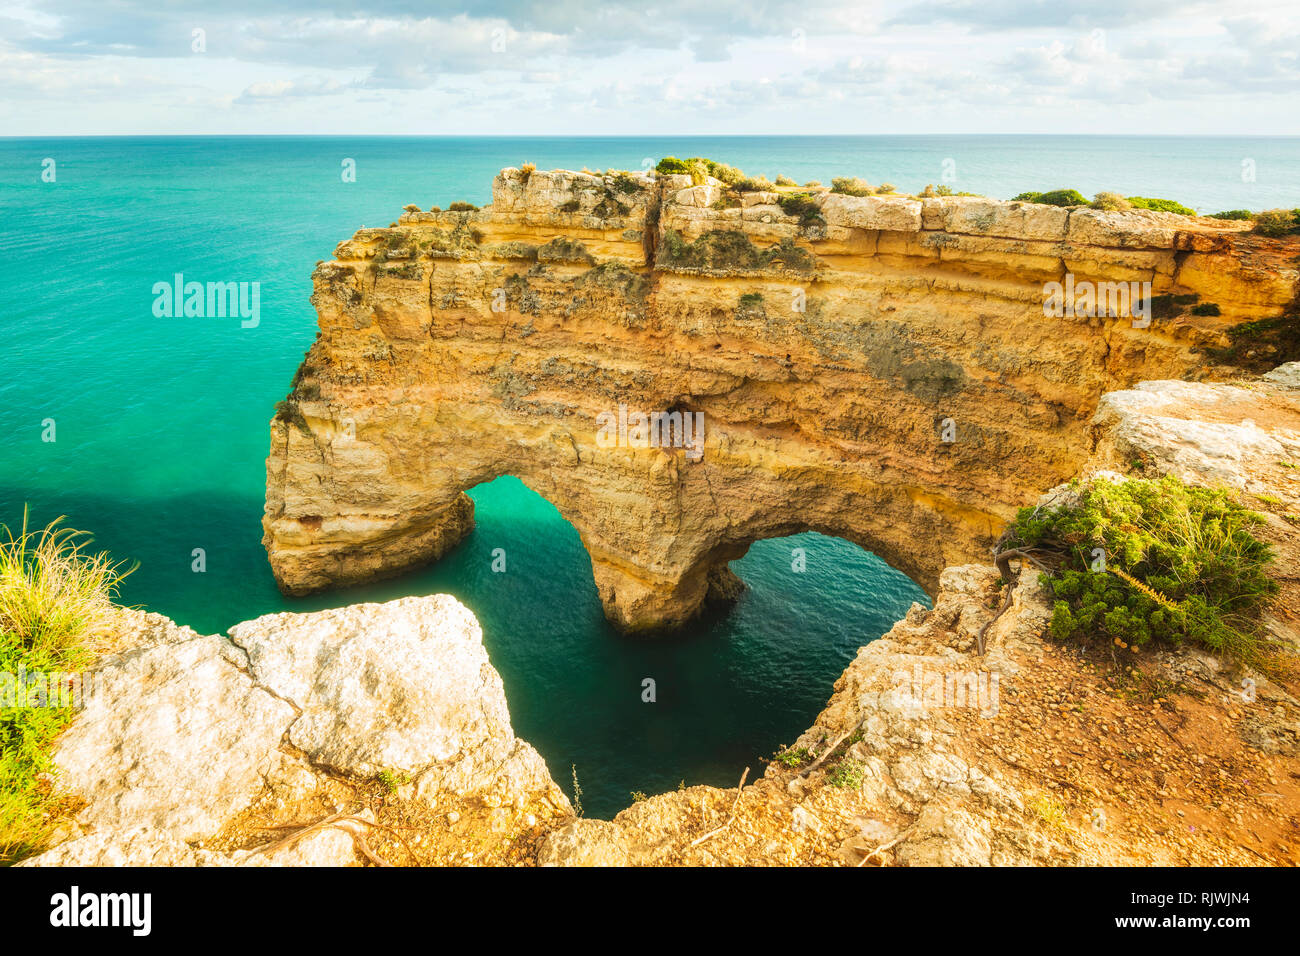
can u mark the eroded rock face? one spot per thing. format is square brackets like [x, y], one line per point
[831, 357]
[181, 732]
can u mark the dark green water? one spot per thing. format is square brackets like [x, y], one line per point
[161, 424]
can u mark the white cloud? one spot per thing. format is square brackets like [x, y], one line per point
[627, 66]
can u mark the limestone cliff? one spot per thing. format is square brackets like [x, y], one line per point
[878, 369]
[381, 731]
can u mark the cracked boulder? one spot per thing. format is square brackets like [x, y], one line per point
[404, 687]
[182, 732]
[174, 735]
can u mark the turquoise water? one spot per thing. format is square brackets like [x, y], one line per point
[161, 424]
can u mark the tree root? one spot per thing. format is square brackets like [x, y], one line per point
[726, 823]
[339, 821]
[1003, 561]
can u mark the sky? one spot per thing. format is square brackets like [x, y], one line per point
[614, 67]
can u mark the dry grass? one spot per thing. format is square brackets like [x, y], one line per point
[56, 600]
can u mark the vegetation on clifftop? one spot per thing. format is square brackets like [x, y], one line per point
[55, 600]
[1054, 197]
[727, 250]
[1152, 560]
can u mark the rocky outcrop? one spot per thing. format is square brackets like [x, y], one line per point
[192, 748]
[1035, 753]
[878, 369]
[181, 733]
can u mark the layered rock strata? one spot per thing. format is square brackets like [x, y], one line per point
[926, 753]
[878, 369]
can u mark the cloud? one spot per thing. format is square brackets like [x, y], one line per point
[1032, 14]
[289, 89]
[733, 65]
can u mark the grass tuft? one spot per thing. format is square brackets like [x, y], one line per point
[55, 607]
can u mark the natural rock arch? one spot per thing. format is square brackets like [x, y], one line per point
[831, 361]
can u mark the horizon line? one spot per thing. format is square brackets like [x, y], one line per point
[639, 136]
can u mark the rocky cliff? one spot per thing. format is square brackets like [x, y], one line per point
[379, 733]
[878, 369]
[193, 749]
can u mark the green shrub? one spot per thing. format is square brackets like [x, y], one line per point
[462, 207]
[785, 181]
[847, 774]
[1160, 205]
[1238, 215]
[697, 167]
[725, 174]
[803, 205]
[1277, 222]
[793, 757]
[1205, 308]
[622, 181]
[1056, 197]
[55, 608]
[1181, 564]
[1110, 202]
[850, 186]
[727, 250]
[754, 184]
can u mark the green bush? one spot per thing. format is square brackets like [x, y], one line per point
[697, 167]
[847, 774]
[1277, 222]
[1205, 308]
[803, 205]
[1110, 202]
[729, 250]
[462, 207]
[755, 184]
[1238, 215]
[1160, 205]
[1181, 564]
[1056, 197]
[851, 186]
[793, 757]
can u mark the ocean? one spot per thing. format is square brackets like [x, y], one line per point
[161, 423]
